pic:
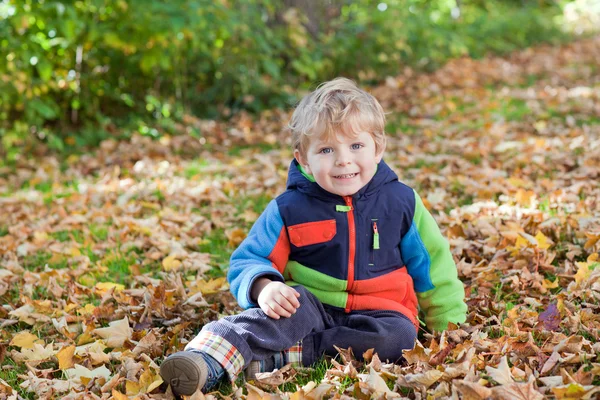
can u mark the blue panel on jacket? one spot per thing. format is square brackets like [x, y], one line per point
[417, 260]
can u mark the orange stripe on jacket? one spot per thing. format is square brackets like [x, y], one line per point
[393, 291]
[281, 251]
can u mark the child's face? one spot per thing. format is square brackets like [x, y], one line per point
[342, 166]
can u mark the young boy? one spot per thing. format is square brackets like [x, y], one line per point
[340, 258]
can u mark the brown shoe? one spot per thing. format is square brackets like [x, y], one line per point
[185, 371]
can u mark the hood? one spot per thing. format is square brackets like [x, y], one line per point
[298, 181]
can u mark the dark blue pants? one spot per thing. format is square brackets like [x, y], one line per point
[257, 336]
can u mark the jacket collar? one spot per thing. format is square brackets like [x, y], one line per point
[299, 180]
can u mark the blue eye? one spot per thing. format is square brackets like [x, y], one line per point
[356, 146]
[326, 150]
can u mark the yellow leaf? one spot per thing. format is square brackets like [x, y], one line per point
[521, 243]
[170, 263]
[542, 241]
[37, 353]
[575, 391]
[40, 237]
[147, 204]
[118, 395]
[75, 252]
[88, 309]
[84, 338]
[550, 285]
[65, 357]
[103, 287]
[584, 272]
[25, 340]
[235, 236]
[209, 287]
[593, 257]
[116, 333]
[149, 381]
[132, 388]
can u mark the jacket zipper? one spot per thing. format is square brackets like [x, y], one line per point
[351, 248]
[375, 241]
[375, 236]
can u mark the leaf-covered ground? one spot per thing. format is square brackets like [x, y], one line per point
[110, 261]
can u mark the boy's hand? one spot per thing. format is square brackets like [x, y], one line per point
[277, 299]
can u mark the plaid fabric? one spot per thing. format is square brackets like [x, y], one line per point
[221, 350]
[294, 355]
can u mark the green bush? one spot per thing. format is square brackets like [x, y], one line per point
[94, 65]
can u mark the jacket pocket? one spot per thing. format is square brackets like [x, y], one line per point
[312, 232]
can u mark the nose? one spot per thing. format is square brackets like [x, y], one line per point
[343, 158]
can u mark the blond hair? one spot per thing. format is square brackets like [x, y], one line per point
[335, 107]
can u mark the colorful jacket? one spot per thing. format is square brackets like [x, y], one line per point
[378, 249]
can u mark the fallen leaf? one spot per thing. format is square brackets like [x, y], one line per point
[37, 353]
[502, 374]
[378, 385]
[25, 340]
[550, 318]
[516, 391]
[116, 333]
[118, 395]
[65, 357]
[103, 287]
[472, 390]
[79, 373]
[575, 391]
[170, 263]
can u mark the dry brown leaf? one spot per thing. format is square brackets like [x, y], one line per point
[502, 374]
[116, 333]
[472, 390]
[277, 377]
[376, 383]
[516, 391]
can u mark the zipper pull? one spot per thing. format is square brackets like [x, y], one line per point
[375, 236]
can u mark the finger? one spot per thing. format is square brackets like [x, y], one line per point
[280, 310]
[270, 313]
[292, 297]
[286, 304]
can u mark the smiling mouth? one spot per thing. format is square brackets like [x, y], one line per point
[346, 176]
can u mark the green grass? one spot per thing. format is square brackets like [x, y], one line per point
[216, 244]
[400, 124]
[99, 232]
[514, 109]
[196, 168]
[119, 268]
[3, 230]
[237, 151]
[38, 260]
[65, 236]
[10, 372]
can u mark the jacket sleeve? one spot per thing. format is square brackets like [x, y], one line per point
[427, 256]
[263, 253]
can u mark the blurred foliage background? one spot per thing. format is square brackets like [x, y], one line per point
[113, 67]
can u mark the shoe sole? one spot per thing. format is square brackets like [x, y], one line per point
[185, 372]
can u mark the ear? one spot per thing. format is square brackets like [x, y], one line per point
[302, 161]
[379, 154]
